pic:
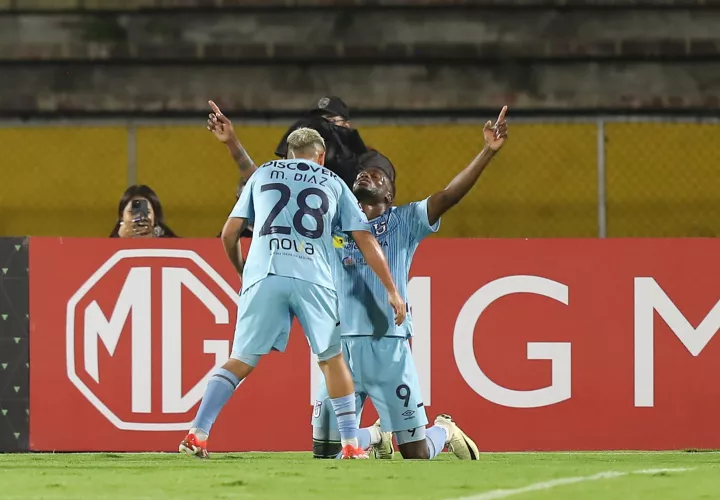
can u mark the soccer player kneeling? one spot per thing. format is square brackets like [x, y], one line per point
[377, 350]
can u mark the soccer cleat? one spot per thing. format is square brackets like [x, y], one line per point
[350, 452]
[191, 445]
[384, 449]
[458, 442]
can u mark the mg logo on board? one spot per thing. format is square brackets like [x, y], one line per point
[144, 334]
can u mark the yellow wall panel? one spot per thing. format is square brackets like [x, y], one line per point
[69, 179]
[542, 184]
[193, 173]
[662, 179]
[61, 180]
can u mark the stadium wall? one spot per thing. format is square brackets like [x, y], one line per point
[534, 55]
[541, 344]
[564, 177]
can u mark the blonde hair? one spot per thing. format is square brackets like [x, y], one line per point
[305, 141]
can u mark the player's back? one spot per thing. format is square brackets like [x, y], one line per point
[295, 206]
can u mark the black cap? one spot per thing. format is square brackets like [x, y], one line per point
[374, 159]
[331, 105]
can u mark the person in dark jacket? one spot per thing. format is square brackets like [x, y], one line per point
[331, 117]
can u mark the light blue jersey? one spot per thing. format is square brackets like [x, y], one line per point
[364, 306]
[383, 368]
[296, 206]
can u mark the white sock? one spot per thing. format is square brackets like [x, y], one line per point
[200, 434]
[446, 428]
[375, 436]
[352, 442]
[447, 434]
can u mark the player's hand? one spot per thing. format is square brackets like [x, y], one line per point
[219, 124]
[398, 305]
[495, 134]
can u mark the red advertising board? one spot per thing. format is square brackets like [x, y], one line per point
[529, 344]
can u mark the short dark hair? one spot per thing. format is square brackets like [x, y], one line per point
[374, 158]
[143, 191]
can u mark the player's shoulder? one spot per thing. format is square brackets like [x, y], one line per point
[411, 209]
[271, 163]
[409, 215]
[334, 182]
[263, 171]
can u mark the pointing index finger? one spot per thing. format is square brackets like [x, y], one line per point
[215, 108]
[501, 116]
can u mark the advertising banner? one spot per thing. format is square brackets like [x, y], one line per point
[528, 344]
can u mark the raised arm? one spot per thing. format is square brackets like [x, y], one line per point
[222, 129]
[374, 256]
[442, 201]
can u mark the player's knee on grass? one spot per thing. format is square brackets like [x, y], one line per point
[412, 444]
[326, 449]
[326, 443]
[417, 450]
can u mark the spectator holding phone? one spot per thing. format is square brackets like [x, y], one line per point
[140, 215]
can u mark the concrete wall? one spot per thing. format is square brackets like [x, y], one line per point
[364, 26]
[168, 5]
[377, 59]
[50, 88]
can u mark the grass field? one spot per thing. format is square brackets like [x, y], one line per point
[618, 476]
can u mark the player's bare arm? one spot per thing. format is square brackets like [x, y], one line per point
[231, 242]
[374, 256]
[442, 201]
[223, 130]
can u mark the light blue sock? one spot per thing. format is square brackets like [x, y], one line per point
[347, 419]
[436, 437]
[364, 440]
[221, 386]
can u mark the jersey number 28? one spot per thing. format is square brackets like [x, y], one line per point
[303, 209]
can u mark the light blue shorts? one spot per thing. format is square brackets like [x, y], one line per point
[266, 311]
[382, 369]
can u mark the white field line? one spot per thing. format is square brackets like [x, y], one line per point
[546, 485]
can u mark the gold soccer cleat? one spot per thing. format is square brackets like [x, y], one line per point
[458, 442]
[384, 449]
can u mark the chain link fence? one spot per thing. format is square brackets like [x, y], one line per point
[555, 178]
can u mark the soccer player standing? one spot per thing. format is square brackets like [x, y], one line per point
[295, 206]
[376, 349]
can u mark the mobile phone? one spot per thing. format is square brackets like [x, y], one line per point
[140, 209]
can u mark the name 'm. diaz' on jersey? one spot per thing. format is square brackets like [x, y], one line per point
[364, 309]
[295, 206]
